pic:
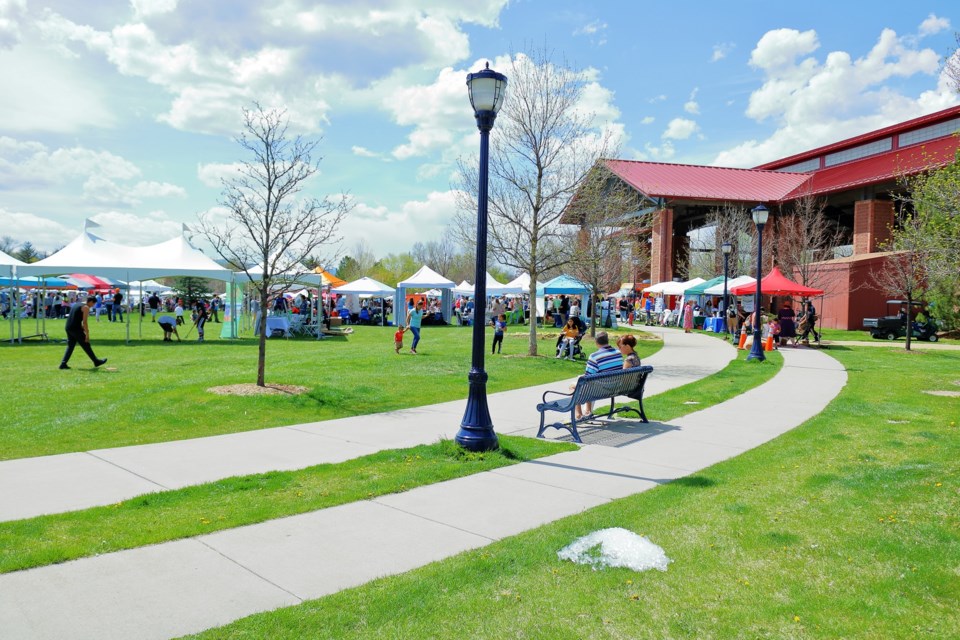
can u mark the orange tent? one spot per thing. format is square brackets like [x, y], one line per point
[328, 278]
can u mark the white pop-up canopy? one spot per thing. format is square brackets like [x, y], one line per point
[673, 288]
[717, 290]
[9, 261]
[463, 289]
[425, 278]
[366, 286]
[496, 288]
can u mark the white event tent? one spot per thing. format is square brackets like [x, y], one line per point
[673, 288]
[494, 287]
[717, 290]
[424, 278]
[463, 289]
[90, 254]
[371, 287]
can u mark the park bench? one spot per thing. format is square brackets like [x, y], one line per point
[594, 388]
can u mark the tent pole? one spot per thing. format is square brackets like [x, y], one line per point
[128, 307]
[140, 305]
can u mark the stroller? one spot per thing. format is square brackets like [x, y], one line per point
[577, 349]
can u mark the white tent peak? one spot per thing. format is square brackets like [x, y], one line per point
[366, 286]
[426, 278]
[9, 261]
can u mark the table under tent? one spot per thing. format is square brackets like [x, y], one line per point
[90, 254]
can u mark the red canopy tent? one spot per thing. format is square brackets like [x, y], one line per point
[776, 284]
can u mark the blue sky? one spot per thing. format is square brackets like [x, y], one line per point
[124, 111]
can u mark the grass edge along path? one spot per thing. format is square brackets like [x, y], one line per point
[244, 500]
[845, 526]
[76, 534]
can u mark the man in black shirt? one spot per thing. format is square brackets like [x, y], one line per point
[118, 305]
[154, 302]
[79, 333]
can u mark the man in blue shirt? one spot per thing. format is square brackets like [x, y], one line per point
[605, 358]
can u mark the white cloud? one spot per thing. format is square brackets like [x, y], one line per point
[138, 230]
[413, 221]
[12, 13]
[661, 153]
[147, 8]
[656, 99]
[815, 103]
[595, 30]
[647, 120]
[933, 24]
[721, 51]
[212, 173]
[103, 191]
[44, 233]
[680, 129]
[691, 105]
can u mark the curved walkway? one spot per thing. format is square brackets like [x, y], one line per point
[190, 585]
[52, 484]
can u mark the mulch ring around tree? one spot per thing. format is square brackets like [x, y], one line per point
[251, 389]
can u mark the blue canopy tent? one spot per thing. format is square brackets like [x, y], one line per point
[566, 285]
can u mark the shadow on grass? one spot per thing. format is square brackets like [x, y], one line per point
[695, 482]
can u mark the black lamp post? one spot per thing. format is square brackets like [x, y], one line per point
[486, 89]
[726, 248]
[760, 214]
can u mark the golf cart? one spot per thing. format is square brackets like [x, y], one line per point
[892, 327]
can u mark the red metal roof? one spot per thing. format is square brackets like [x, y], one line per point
[880, 168]
[901, 127]
[662, 180]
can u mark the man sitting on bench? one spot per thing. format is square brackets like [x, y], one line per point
[605, 358]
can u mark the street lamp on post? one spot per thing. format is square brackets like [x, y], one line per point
[760, 214]
[486, 89]
[726, 248]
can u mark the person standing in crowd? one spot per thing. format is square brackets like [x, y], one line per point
[414, 319]
[108, 303]
[78, 332]
[626, 345]
[605, 358]
[118, 306]
[688, 316]
[200, 318]
[215, 309]
[786, 315]
[178, 311]
[564, 308]
[154, 302]
[574, 307]
[499, 328]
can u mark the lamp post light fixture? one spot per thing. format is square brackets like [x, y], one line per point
[726, 248]
[760, 214]
[486, 89]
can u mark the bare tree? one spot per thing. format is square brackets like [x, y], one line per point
[805, 237]
[598, 209]
[544, 144]
[730, 223]
[270, 228]
[906, 271]
[8, 245]
[440, 255]
[952, 65]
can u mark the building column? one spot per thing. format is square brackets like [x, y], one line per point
[872, 221]
[661, 247]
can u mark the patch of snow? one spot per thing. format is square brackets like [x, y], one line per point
[616, 547]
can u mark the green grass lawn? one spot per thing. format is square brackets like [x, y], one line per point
[846, 527]
[151, 391]
[243, 500]
[864, 336]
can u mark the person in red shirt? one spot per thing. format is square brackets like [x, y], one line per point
[398, 340]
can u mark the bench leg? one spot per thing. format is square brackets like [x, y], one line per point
[643, 415]
[573, 427]
[542, 427]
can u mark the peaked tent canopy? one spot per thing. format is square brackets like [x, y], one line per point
[330, 280]
[7, 260]
[463, 289]
[700, 289]
[674, 288]
[365, 286]
[777, 284]
[496, 288]
[426, 278]
[717, 289]
[564, 284]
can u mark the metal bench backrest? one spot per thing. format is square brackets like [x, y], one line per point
[599, 386]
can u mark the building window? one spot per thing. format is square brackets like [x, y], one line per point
[923, 134]
[802, 167]
[862, 151]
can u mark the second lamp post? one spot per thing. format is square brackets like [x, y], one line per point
[760, 214]
[486, 89]
[726, 247]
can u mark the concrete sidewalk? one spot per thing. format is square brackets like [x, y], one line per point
[67, 482]
[186, 586]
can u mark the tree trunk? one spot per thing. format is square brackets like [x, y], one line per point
[591, 306]
[532, 346]
[909, 327]
[262, 345]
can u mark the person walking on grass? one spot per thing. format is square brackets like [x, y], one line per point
[499, 328]
[398, 339]
[79, 333]
[414, 318]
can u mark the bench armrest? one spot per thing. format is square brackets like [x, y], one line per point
[556, 393]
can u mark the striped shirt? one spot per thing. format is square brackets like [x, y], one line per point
[605, 358]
